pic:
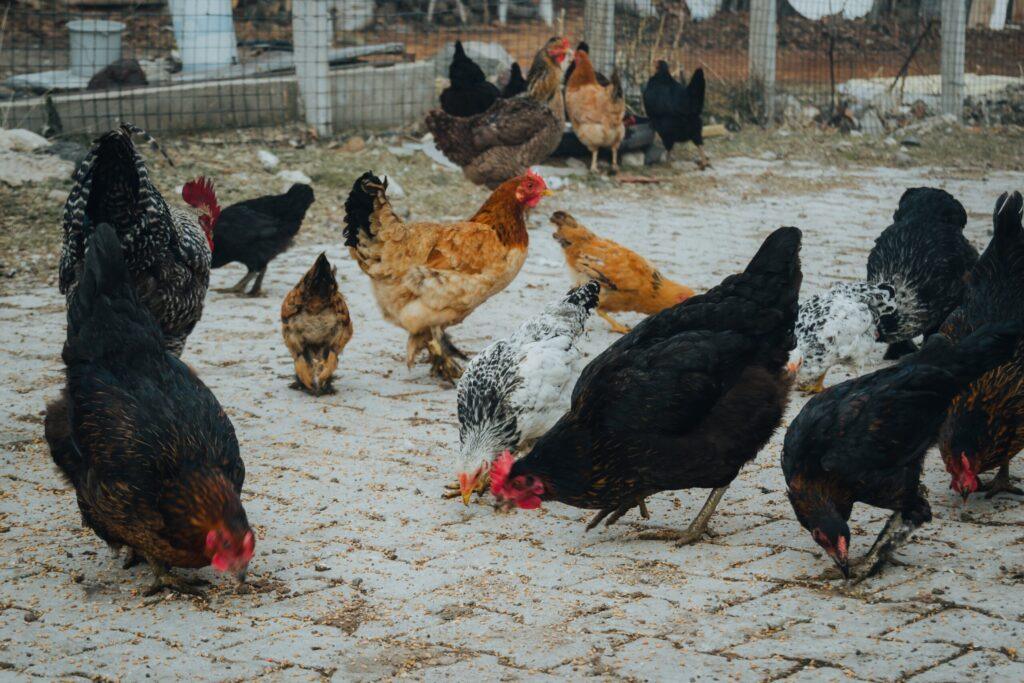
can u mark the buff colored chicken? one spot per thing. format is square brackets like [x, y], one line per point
[429, 276]
[316, 327]
[629, 282]
[596, 111]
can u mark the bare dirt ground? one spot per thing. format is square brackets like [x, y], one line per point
[363, 572]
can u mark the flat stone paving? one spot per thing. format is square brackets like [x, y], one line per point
[363, 572]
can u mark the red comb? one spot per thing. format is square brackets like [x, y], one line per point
[499, 472]
[199, 193]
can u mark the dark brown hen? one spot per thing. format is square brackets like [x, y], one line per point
[985, 426]
[683, 401]
[864, 441]
[151, 454]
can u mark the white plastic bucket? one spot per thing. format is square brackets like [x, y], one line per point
[205, 33]
[95, 44]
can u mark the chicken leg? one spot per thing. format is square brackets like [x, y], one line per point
[815, 387]
[698, 527]
[616, 325]
[165, 580]
[615, 160]
[255, 291]
[895, 533]
[239, 286]
[617, 513]
[442, 364]
[703, 163]
[593, 161]
[417, 342]
[451, 349]
[1000, 484]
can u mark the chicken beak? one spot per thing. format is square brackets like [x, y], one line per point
[547, 193]
[844, 567]
[466, 486]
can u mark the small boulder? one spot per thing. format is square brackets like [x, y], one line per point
[268, 160]
[21, 140]
[294, 176]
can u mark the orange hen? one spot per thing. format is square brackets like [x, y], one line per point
[629, 282]
[429, 276]
[595, 110]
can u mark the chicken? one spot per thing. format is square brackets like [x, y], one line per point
[864, 441]
[470, 92]
[429, 276]
[915, 277]
[516, 83]
[256, 231]
[683, 401]
[513, 134]
[516, 389]
[984, 428]
[628, 281]
[583, 47]
[924, 257]
[316, 327]
[675, 109]
[151, 454]
[167, 249]
[839, 325]
[596, 111]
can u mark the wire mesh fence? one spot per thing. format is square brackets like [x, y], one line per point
[78, 66]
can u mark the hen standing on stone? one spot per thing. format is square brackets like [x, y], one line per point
[516, 389]
[167, 250]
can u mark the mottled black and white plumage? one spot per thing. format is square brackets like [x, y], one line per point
[516, 388]
[840, 325]
[924, 257]
[167, 251]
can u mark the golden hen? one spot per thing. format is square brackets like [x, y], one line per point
[596, 111]
[629, 282]
[429, 276]
[316, 327]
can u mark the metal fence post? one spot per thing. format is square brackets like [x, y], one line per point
[311, 36]
[954, 38]
[763, 30]
[599, 32]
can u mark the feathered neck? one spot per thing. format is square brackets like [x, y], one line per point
[544, 80]
[505, 214]
[583, 74]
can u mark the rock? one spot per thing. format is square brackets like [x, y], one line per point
[268, 160]
[294, 176]
[17, 169]
[395, 191]
[575, 163]
[655, 154]
[21, 140]
[911, 141]
[633, 160]
[402, 151]
[903, 159]
[871, 123]
[891, 141]
[59, 196]
[354, 144]
[491, 57]
[769, 156]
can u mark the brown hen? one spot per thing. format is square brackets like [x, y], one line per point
[595, 110]
[629, 282]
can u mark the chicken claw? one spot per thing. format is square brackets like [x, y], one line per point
[164, 580]
[697, 529]
[1000, 484]
[616, 325]
[131, 559]
[815, 387]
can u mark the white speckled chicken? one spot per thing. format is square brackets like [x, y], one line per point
[837, 326]
[516, 389]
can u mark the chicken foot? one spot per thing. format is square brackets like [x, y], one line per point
[698, 527]
[703, 164]
[593, 161]
[1000, 484]
[895, 533]
[617, 513]
[131, 559]
[239, 286]
[815, 387]
[483, 483]
[442, 364]
[255, 291]
[451, 349]
[616, 325]
[165, 580]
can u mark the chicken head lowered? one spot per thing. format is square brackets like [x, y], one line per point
[683, 401]
[426, 276]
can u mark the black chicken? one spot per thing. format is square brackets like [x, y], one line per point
[922, 258]
[151, 454]
[984, 428]
[470, 93]
[256, 231]
[864, 441]
[516, 83]
[683, 401]
[167, 249]
[675, 109]
[602, 80]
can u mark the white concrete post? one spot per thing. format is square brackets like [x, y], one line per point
[502, 12]
[954, 38]
[599, 32]
[311, 36]
[546, 12]
[763, 31]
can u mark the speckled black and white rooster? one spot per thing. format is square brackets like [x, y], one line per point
[516, 389]
[915, 278]
[167, 250]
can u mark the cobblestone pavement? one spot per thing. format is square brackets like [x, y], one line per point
[362, 571]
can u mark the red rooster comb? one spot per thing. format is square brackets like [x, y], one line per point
[499, 472]
[199, 193]
[533, 175]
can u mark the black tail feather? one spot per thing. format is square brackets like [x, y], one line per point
[696, 90]
[320, 278]
[359, 208]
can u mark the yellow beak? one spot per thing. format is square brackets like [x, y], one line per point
[548, 193]
[466, 495]
[466, 485]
